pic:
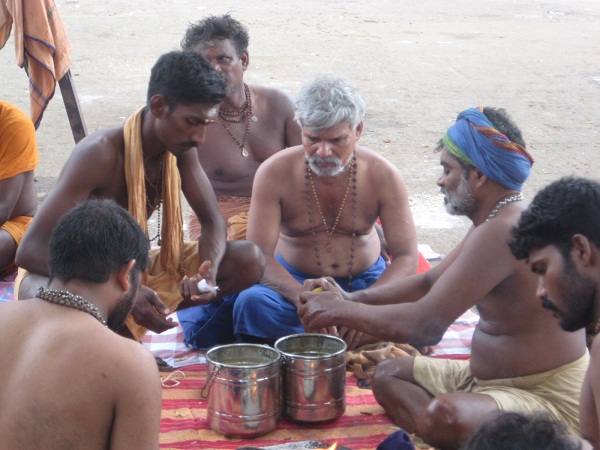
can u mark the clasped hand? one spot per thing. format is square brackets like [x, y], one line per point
[188, 288]
[317, 310]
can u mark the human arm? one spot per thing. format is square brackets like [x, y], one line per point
[18, 159]
[88, 170]
[397, 221]
[293, 132]
[92, 170]
[264, 223]
[10, 192]
[589, 405]
[137, 411]
[201, 198]
[483, 262]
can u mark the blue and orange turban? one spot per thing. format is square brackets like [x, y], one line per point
[474, 140]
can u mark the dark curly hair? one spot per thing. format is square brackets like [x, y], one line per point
[216, 27]
[562, 209]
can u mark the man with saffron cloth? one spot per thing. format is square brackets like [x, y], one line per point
[144, 165]
[313, 211]
[18, 199]
[521, 360]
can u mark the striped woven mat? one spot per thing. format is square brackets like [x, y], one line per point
[184, 422]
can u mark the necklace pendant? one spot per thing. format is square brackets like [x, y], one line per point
[244, 152]
[254, 118]
[329, 247]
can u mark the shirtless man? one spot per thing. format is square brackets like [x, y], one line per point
[144, 165]
[559, 236]
[18, 199]
[520, 360]
[253, 122]
[313, 213]
[66, 377]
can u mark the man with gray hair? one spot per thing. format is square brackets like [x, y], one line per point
[313, 213]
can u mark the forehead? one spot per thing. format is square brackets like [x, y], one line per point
[548, 254]
[198, 110]
[447, 160]
[216, 47]
[334, 131]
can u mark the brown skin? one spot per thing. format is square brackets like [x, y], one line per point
[514, 337]
[279, 220]
[228, 171]
[17, 198]
[548, 264]
[67, 378]
[96, 169]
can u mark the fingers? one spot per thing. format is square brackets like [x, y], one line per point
[204, 269]
[351, 337]
[156, 302]
[158, 324]
[150, 312]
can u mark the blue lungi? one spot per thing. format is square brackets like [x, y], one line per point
[258, 311]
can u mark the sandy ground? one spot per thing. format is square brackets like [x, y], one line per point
[416, 63]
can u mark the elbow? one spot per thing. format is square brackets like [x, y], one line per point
[428, 332]
[418, 333]
[22, 257]
[26, 259]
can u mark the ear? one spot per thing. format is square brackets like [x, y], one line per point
[245, 58]
[124, 275]
[583, 250]
[158, 105]
[478, 177]
[359, 130]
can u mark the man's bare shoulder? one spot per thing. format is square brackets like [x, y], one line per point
[375, 161]
[284, 161]
[107, 142]
[275, 99]
[270, 94]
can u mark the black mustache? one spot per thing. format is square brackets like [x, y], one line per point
[547, 304]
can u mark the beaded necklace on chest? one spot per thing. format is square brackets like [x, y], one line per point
[70, 300]
[157, 200]
[238, 115]
[312, 192]
[502, 203]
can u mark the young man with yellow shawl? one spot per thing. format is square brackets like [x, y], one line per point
[521, 360]
[144, 166]
[18, 199]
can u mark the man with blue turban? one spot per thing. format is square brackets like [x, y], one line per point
[521, 360]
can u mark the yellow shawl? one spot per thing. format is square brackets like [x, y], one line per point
[172, 222]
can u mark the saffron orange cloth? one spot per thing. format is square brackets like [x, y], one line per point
[172, 221]
[42, 47]
[18, 147]
[16, 227]
[234, 210]
[168, 263]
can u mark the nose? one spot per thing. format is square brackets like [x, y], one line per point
[200, 135]
[541, 292]
[323, 149]
[440, 181]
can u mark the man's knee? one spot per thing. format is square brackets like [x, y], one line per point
[249, 259]
[389, 370]
[448, 420]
